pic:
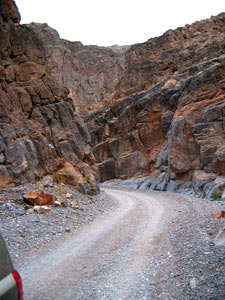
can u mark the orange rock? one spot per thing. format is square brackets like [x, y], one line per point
[38, 197]
[219, 214]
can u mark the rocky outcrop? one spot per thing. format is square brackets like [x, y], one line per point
[149, 63]
[90, 72]
[40, 133]
[176, 127]
[173, 118]
[156, 108]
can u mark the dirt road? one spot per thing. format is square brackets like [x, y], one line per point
[113, 258]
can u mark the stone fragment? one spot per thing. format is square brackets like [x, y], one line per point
[30, 210]
[193, 283]
[199, 175]
[38, 197]
[220, 238]
[57, 203]
[42, 209]
[75, 204]
[219, 214]
[3, 199]
[69, 175]
[63, 203]
[47, 181]
[69, 196]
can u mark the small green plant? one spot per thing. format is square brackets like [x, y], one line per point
[217, 194]
[92, 185]
[149, 185]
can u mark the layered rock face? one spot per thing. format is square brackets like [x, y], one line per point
[39, 131]
[148, 63]
[176, 126]
[90, 72]
[152, 108]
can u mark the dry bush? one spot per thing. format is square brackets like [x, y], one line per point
[170, 82]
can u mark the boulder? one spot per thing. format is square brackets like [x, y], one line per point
[38, 197]
[219, 214]
[69, 175]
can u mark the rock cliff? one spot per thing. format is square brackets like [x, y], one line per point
[84, 112]
[90, 73]
[40, 133]
[172, 122]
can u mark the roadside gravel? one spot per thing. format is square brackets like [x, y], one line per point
[187, 265]
[26, 232]
[115, 259]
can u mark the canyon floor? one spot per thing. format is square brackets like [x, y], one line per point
[145, 245]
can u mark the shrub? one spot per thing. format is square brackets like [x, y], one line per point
[92, 185]
[217, 194]
[170, 82]
[149, 185]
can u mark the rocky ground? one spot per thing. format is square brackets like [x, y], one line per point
[26, 230]
[187, 265]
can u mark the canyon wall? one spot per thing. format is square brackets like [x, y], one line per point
[82, 113]
[170, 114]
[40, 132]
[89, 72]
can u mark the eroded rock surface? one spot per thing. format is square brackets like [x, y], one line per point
[177, 128]
[152, 108]
[90, 72]
[40, 133]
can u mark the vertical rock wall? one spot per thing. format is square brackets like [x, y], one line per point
[39, 131]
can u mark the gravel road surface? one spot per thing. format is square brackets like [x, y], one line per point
[150, 246]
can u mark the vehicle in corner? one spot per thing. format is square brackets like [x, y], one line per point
[11, 287]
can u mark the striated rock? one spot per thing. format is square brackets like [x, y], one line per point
[107, 169]
[156, 107]
[39, 130]
[91, 73]
[10, 8]
[130, 164]
[38, 197]
[148, 63]
[175, 127]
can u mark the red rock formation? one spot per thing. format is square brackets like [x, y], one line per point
[158, 106]
[38, 197]
[39, 131]
[148, 63]
[176, 127]
[89, 72]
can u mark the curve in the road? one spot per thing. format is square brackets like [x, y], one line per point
[104, 259]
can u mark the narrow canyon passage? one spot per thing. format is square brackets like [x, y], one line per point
[152, 245]
[104, 259]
